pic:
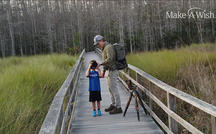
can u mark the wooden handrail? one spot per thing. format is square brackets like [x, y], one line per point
[55, 120]
[172, 93]
[202, 105]
[170, 109]
[98, 51]
[164, 107]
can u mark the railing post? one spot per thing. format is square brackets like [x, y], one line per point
[137, 79]
[60, 125]
[213, 123]
[128, 71]
[171, 103]
[150, 100]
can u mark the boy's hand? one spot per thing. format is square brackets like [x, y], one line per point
[90, 65]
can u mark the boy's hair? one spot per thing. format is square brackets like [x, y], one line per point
[94, 64]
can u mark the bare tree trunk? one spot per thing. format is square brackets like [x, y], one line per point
[199, 28]
[38, 26]
[79, 23]
[64, 26]
[212, 4]
[2, 48]
[11, 29]
[160, 27]
[34, 31]
[130, 22]
[49, 28]
[20, 41]
[65, 38]
[130, 36]
[72, 16]
[121, 31]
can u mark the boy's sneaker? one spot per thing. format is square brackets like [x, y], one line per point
[94, 113]
[99, 113]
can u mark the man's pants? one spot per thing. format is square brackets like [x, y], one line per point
[112, 81]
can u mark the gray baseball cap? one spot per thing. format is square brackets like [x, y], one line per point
[97, 38]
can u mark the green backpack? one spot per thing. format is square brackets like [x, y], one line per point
[121, 61]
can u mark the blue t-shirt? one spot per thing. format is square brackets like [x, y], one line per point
[94, 81]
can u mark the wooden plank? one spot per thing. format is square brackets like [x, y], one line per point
[172, 114]
[171, 102]
[84, 122]
[202, 105]
[151, 112]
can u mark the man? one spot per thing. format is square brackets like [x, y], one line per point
[109, 59]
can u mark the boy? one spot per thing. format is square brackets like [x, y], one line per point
[93, 73]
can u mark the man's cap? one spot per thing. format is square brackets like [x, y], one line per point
[97, 38]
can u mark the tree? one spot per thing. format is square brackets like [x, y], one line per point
[36, 26]
[10, 24]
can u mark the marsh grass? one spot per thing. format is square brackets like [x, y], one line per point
[27, 87]
[165, 64]
[191, 69]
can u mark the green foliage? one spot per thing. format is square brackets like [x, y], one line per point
[165, 63]
[76, 39]
[73, 51]
[27, 87]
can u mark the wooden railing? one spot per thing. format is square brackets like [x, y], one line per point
[59, 116]
[172, 93]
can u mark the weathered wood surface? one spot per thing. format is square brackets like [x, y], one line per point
[170, 110]
[172, 114]
[202, 105]
[83, 122]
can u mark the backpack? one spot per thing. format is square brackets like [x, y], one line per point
[121, 61]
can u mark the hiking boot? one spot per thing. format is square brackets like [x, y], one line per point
[110, 108]
[116, 111]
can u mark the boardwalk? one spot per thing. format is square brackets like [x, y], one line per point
[84, 123]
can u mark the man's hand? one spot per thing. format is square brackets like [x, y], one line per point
[103, 74]
[99, 65]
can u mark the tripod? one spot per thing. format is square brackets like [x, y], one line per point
[135, 93]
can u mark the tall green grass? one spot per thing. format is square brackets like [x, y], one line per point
[165, 64]
[191, 69]
[27, 87]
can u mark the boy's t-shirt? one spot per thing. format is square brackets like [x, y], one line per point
[94, 81]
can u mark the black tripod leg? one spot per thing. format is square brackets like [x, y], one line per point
[137, 107]
[140, 100]
[128, 103]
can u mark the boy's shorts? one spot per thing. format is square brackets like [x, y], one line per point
[94, 96]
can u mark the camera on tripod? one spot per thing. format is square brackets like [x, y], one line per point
[134, 93]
